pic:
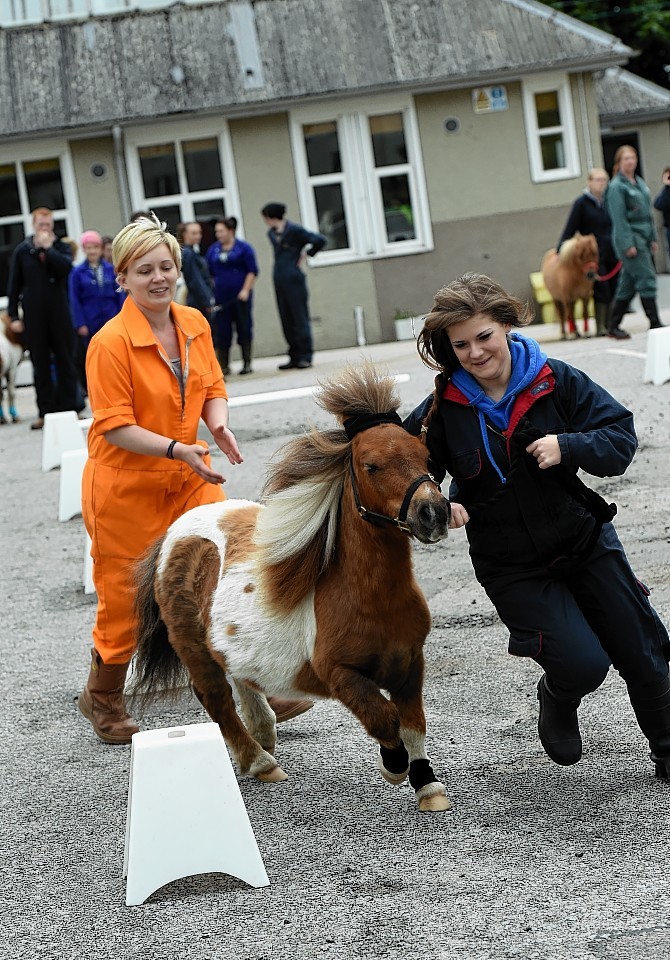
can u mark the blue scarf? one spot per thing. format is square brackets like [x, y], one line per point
[527, 361]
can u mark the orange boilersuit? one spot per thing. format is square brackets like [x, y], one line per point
[128, 499]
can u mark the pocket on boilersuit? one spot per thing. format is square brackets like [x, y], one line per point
[206, 379]
[526, 646]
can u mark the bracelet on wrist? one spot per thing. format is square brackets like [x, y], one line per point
[170, 450]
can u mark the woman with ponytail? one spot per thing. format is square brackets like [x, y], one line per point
[512, 428]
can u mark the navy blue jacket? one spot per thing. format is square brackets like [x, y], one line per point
[662, 203]
[196, 277]
[532, 518]
[93, 304]
[588, 216]
[288, 247]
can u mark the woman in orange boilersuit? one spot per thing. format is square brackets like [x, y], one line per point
[152, 375]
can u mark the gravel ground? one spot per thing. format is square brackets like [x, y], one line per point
[534, 860]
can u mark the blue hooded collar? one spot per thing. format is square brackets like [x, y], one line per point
[527, 361]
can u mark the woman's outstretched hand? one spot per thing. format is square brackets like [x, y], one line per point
[226, 442]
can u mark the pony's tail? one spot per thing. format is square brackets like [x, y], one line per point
[157, 668]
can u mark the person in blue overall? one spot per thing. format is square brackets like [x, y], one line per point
[234, 268]
[628, 202]
[288, 242]
[512, 428]
[94, 297]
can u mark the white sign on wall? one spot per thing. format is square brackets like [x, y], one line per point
[489, 99]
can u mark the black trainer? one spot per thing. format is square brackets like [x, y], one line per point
[558, 726]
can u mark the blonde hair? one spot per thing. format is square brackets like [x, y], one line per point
[138, 238]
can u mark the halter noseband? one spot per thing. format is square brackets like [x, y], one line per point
[366, 421]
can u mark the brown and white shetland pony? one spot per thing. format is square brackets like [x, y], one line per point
[299, 595]
[11, 353]
[569, 274]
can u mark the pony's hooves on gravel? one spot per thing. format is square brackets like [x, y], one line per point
[437, 802]
[276, 775]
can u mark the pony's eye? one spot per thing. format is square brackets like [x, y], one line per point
[370, 467]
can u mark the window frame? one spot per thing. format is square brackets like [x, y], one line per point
[550, 83]
[176, 135]
[11, 153]
[361, 179]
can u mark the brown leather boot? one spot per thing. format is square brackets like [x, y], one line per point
[288, 709]
[101, 701]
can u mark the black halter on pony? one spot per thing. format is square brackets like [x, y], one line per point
[365, 421]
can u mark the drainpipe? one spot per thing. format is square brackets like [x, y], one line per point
[586, 129]
[121, 175]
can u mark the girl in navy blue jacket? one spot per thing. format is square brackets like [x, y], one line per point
[512, 428]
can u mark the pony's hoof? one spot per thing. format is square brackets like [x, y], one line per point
[276, 775]
[394, 778]
[437, 802]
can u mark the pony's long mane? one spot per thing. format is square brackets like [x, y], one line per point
[566, 253]
[297, 528]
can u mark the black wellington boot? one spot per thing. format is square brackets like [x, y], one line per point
[602, 311]
[618, 309]
[652, 709]
[558, 726]
[223, 356]
[649, 307]
[246, 357]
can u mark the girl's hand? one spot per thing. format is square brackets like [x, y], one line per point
[459, 516]
[546, 451]
[243, 295]
[226, 442]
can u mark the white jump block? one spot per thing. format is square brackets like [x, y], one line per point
[71, 470]
[657, 366]
[61, 432]
[89, 586]
[185, 812]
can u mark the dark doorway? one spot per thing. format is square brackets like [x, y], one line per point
[611, 143]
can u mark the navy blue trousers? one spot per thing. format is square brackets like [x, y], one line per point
[576, 625]
[292, 297]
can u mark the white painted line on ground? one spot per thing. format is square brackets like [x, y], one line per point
[627, 353]
[273, 396]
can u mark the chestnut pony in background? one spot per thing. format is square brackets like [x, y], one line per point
[569, 275]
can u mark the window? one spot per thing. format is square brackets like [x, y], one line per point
[182, 180]
[360, 181]
[25, 185]
[550, 129]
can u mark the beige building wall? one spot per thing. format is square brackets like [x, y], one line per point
[265, 172]
[99, 199]
[487, 215]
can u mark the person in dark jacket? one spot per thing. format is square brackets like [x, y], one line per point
[589, 215]
[194, 269]
[94, 296]
[289, 241]
[512, 428]
[38, 275]
[662, 203]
